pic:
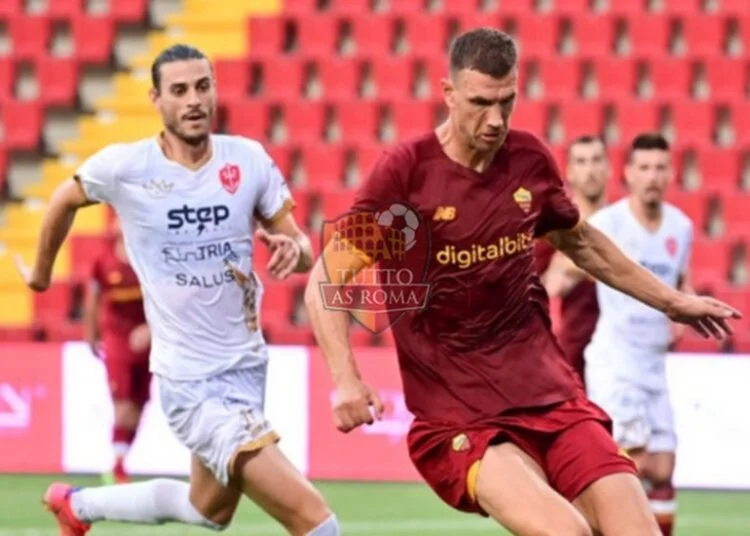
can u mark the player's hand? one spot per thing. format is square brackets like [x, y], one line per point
[140, 338]
[352, 403]
[285, 253]
[708, 316]
[31, 277]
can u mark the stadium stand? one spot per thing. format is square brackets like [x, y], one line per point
[327, 83]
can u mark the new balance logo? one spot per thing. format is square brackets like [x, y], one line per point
[445, 214]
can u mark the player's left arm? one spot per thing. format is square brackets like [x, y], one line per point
[592, 251]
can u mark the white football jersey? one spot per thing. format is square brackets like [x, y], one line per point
[631, 336]
[189, 237]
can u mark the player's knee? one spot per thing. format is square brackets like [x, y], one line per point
[313, 514]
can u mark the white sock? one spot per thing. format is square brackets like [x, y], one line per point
[121, 449]
[153, 502]
[329, 527]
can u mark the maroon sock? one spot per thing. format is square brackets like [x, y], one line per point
[664, 505]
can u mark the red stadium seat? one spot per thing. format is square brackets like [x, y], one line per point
[324, 166]
[634, 117]
[594, 34]
[131, 11]
[282, 157]
[59, 78]
[373, 34]
[367, 155]
[624, 7]
[30, 35]
[392, 76]
[571, 7]
[300, 7]
[537, 35]
[232, 78]
[741, 121]
[266, 36]
[581, 118]
[64, 9]
[436, 69]
[710, 262]
[670, 77]
[735, 7]
[335, 204]
[727, 77]
[530, 116]
[720, 170]
[682, 6]
[305, 120]
[277, 304]
[413, 118]
[358, 120]
[7, 79]
[340, 77]
[317, 35]
[426, 33]
[693, 121]
[648, 35]
[346, 7]
[703, 35]
[492, 19]
[11, 8]
[694, 205]
[249, 118]
[561, 77]
[23, 124]
[615, 77]
[93, 37]
[282, 77]
[735, 213]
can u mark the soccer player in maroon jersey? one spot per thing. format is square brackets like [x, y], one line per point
[116, 329]
[587, 172]
[502, 426]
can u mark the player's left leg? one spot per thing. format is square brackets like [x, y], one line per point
[585, 465]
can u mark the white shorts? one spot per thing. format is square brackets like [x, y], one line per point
[641, 417]
[219, 417]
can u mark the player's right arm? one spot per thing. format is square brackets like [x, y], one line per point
[93, 182]
[58, 219]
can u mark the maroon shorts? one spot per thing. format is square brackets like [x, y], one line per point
[570, 441]
[127, 371]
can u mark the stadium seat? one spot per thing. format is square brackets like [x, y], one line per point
[59, 78]
[300, 7]
[537, 35]
[266, 36]
[23, 124]
[317, 35]
[594, 35]
[694, 205]
[648, 34]
[324, 166]
[704, 36]
[335, 204]
[340, 77]
[426, 33]
[693, 121]
[367, 155]
[735, 213]
[710, 262]
[720, 170]
[413, 118]
[129, 11]
[64, 9]
[670, 77]
[580, 118]
[248, 118]
[560, 77]
[277, 303]
[282, 157]
[735, 7]
[635, 117]
[93, 37]
[390, 75]
[346, 7]
[531, 116]
[740, 116]
[281, 77]
[358, 120]
[372, 35]
[624, 7]
[11, 8]
[232, 78]
[30, 36]
[615, 77]
[305, 121]
[7, 79]
[728, 78]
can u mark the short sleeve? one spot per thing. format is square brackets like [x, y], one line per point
[97, 174]
[275, 200]
[557, 209]
[383, 186]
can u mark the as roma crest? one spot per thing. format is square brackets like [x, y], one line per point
[522, 197]
[230, 178]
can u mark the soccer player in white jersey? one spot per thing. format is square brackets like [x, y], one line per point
[625, 361]
[187, 201]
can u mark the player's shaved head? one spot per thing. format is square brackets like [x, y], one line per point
[486, 50]
[174, 53]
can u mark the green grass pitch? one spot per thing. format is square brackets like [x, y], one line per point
[363, 509]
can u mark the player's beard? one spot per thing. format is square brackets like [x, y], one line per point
[193, 140]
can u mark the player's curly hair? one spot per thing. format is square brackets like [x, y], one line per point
[487, 50]
[177, 52]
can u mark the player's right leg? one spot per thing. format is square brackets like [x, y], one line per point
[511, 487]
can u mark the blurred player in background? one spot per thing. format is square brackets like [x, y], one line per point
[502, 426]
[625, 362]
[588, 171]
[187, 201]
[115, 327]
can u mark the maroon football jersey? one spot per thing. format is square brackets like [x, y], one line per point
[122, 301]
[482, 346]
